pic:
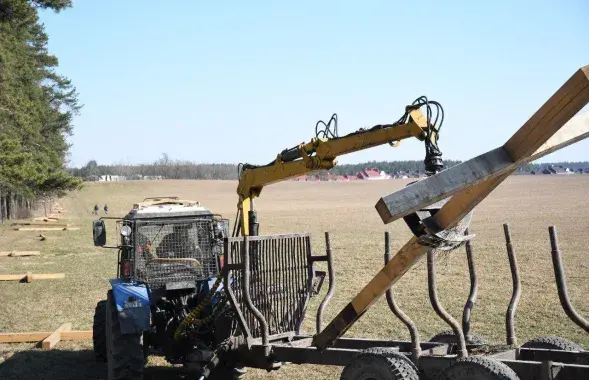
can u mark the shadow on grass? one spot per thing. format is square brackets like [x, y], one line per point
[65, 364]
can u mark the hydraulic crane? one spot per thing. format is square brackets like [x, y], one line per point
[320, 153]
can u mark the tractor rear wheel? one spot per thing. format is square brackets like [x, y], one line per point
[124, 352]
[99, 330]
[478, 368]
[379, 364]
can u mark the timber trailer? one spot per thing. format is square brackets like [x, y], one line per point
[269, 280]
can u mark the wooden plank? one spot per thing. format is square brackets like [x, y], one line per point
[569, 99]
[43, 225]
[19, 253]
[28, 277]
[76, 335]
[42, 335]
[462, 203]
[47, 228]
[45, 220]
[494, 163]
[12, 277]
[23, 337]
[49, 342]
[47, 276]
[442, 185]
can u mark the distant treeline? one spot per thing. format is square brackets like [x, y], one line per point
[163, 167]
[410, 166]
[177, 169]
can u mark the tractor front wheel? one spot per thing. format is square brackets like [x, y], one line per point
[124, 352]
[99, 330]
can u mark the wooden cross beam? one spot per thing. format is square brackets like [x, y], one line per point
[548, 130]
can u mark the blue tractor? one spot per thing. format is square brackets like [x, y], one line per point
[168, 293]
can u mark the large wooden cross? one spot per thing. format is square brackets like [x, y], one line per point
[551, 128]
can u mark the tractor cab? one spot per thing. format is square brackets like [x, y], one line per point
[166, 242]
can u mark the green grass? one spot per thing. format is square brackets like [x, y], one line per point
[530, 204]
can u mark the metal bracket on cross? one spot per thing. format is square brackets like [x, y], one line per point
[553, 127]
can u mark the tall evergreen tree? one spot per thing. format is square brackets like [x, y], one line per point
[37, 105]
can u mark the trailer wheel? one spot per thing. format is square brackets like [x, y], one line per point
[552, 343]
[124, 352]
[449, 337]
[99, 331]
[478, 368]
[380, 364]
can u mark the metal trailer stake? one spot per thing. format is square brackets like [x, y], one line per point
[472, 296]
[415, 341]
[516, 293]
[331, 288]
[248, 299]
[561, 285]
[433, 296]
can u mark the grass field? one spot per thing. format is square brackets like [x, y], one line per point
[529, 203]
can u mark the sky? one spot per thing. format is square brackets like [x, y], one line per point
[236, 81]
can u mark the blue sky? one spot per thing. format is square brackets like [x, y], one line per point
[240, 81]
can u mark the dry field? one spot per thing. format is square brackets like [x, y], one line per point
[529, 204]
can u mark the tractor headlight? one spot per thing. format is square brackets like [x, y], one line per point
[126, 231]
[221, 227]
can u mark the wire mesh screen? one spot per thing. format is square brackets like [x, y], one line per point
[169, 251]
[280, 277]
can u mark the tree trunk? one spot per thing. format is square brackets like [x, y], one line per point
[1, 207]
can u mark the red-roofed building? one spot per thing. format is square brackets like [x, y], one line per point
[372, 174]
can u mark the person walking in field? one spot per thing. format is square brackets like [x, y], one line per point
[96, 209]
[105, 209]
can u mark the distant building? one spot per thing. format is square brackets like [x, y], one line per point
[372, 174]
[111, 178]
[552, 169]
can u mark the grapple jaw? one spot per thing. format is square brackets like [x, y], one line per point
[430, 235]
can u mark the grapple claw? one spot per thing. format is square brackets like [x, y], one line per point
[430, 235]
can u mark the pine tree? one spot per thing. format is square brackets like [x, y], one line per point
[37, 106]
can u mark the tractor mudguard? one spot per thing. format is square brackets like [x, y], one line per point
[132, 300]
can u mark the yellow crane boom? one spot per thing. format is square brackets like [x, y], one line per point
[320, 153]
